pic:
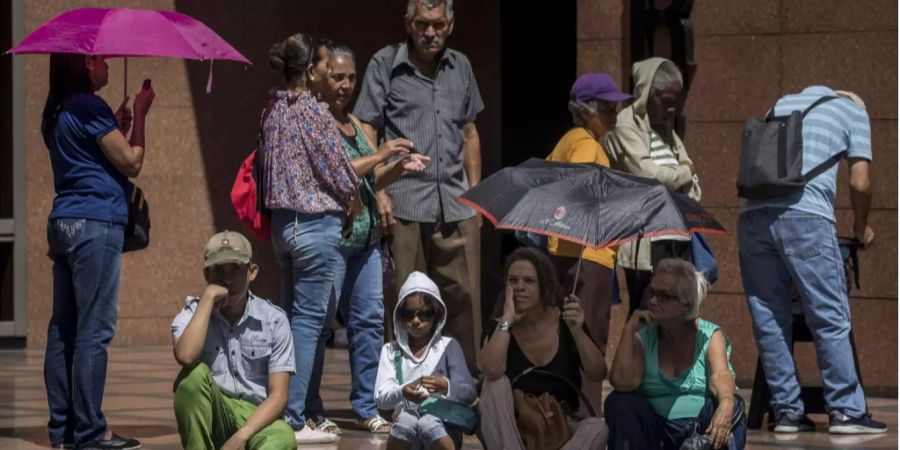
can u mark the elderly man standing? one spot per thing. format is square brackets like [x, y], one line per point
[790, 239]
[424, 92]
[645, 144]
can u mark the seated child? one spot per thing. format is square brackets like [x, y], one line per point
[429, 364]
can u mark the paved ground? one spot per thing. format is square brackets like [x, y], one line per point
[139, 403]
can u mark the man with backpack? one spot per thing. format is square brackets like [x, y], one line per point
[422, 91]
[786, 234]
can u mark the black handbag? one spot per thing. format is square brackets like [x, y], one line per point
[137, 231]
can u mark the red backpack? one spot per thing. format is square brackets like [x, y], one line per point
[247, 196]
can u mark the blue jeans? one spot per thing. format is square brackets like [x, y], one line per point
[634, 424]
[306, 248]
[780, 248]
[361, 302]
[87, 256]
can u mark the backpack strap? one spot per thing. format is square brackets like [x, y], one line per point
[818, 102]
[828, 163]
[771, 114]
[825, 165]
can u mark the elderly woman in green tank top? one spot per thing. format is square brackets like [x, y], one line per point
[672, 375]
[358, 278]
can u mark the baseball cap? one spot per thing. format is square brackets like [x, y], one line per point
[599, 86]
[227, 247]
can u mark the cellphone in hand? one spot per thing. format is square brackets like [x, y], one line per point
[146, 84]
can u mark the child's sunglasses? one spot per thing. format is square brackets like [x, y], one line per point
[425, 315]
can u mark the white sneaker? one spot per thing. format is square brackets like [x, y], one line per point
[312, 436]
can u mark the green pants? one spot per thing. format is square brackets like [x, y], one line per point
[207, 418]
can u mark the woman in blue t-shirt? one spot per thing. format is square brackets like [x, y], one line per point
[672, 373]
[92, 161]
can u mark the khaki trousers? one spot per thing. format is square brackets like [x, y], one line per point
[450, 254]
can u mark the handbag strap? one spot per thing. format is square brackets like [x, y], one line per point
[535, 370]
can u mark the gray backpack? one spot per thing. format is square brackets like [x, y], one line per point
[772, 156]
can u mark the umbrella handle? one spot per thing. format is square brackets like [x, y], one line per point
[125, 84]
[578, 270]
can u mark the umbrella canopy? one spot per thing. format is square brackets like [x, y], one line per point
[585, 203]
[128, 32]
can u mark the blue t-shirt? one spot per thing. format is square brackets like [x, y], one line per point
[87, 185]
[830, 128]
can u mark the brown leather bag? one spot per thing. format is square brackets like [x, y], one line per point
[542, 420]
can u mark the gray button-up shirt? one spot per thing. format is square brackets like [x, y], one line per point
[242, 357]
[401, 102]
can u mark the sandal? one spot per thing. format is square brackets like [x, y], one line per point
[375, 424]
[325, 425]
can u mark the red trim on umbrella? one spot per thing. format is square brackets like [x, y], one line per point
[497, 225]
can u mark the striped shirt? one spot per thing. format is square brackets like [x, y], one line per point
[663, 155]
[830, 128]
[660, 152]
[401, 102]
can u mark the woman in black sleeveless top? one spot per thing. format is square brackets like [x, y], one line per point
[532, 334]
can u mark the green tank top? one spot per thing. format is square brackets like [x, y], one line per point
[365, 228]
[685, 395]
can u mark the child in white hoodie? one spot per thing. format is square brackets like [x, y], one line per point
[430, 364]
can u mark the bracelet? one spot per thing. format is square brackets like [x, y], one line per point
[504, 326]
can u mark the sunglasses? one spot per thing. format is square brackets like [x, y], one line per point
[662, 296]
[424, 315]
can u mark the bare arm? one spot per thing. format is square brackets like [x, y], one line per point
[593, 361]
[189, 345]
[492, 357]
[721, 384]
[472, 154]
[270, 410]
[721, 381]
[128, 159]
[128, 156]
[628, 364]
[860, 199]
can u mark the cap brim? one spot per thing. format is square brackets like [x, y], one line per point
[615, 97]
[226, 257]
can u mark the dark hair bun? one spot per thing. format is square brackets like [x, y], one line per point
[291, 56]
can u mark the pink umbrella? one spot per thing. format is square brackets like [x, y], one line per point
[129, 32]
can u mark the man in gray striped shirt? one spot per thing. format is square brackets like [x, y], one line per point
[424, 92]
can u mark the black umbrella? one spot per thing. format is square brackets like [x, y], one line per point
[585, 203]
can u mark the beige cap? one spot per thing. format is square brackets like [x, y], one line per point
[226, 247]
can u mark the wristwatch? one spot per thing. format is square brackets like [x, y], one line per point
[504, 326]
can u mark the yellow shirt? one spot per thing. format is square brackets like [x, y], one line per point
[577, 146]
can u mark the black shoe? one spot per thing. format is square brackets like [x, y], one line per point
[843, 424]
[790, 422]
[113, 442]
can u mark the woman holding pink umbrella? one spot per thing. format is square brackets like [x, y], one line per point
[92, 160]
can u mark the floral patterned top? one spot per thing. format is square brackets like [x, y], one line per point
[306, 168]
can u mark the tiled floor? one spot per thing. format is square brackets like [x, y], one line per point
[139, 403]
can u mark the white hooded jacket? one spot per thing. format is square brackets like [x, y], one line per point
[443, 357]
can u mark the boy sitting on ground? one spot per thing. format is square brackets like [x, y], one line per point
[237, 356]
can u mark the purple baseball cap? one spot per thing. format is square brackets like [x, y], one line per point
[599, 86]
